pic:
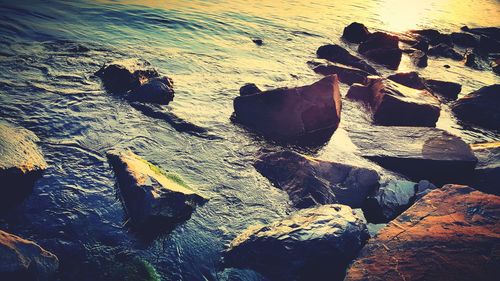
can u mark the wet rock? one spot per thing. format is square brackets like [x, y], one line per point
[492, 32]
[421, 45]
[124, 75]
[450, 234]
[337, 54]
[347, 75]
[249, 89]
[422, 188]
[463, 39]
[417, 152]
[470, 60]
[309, 112]
[495, 66]
[480, 107]
[487, 173]
[409, 79]
[21, 164]
[310, 181]
[156, 90]
[359, 92]
[374, 228]
[311, 244]
[154, 200]
[489, 45]
[382, 48]
[434, 37]
[258, 42]
[419, 58]
[394, 104]
[443, 50]
[24, 260]
[355, 32]
[449, 90]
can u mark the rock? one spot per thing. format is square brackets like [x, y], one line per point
[446, 66]
[470, 60]
[394, 104]
[495, 66]
[434, 36]
[24, 260]
[421, 45]
[443, 50]
[489, 45]
[154, 200]
[306, 113]
[452, 233]
[249, 89]
[419, 58]
[125, 75]
[382, 48]
[449, 90]
[463, 39]
[409, 79]
[310, 181]
[417, 152]
[21, 164]
[487, 173]
[492, 32]
[355, 32]
[311, 244]
[156, 90]
[337, 54]
[480, 107]
[374, 229]
[359, 92]
[347, 75]
[258, 42]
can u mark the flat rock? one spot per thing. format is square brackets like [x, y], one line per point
[355, 32]
[309, 181]
[304, 113]
[487, 173]
[24, 260]
[480, 107]
[452, 233]
[382, 48]
[122, 76]
[346, 74]
[337, 54]
[312, 244]
[417, 152]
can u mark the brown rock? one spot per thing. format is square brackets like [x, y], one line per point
[347, 75]
[382, 48]
[355, 32]
[487, 172]
[337, 54]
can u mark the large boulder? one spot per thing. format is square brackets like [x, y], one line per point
[487, 173]
[154, 199]
[310, 181]
[311, 244]
[382, 48]
[21, 163]
[417, 152]
[304, 113]
[446, 51]
[394, 104]
[346, 74]
[355, 32]
[24, 260]
[480, 107]
[452, 233]
[337, 54]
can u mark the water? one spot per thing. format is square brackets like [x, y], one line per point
[49, 51]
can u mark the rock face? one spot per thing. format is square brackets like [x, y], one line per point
[382, 48]
[417, 152]
[24, 260]
[304, 113]
[154, 200]
[394, 104]
[452, 233]
[443, 50]
[312, 244]
[487, 173]
[337, 54]
[480, 107]
[21, 163]
[347, 75]
[355, 32]
[310, 181]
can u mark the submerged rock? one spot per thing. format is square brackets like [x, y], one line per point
[480, 107]
[304, 113]
[154, 200]
[382, 48]
[249, 89]
[452, 233]
[21, 164]
[417, 152]
[310, 181]
[157, 90]
[24, 260]
[311, 244]
[443, 50]
[487, 173]
[355, 32]
[347, 75]
[124, 75]
[337, 54]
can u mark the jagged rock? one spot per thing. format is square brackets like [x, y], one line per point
[337, 54]
[310, 181]
[355, 32]
[21, 164]
[347, 75]
[480, 107]
[249, 89]
[419, 58]
[156, 90]
[487, 173]
[309, 112]
[417, 152]
[443, 50]
[463, 39]
[312, 244]
[124, 75]
[452, 233]
[383, 49]
[24, 260]
[449, 90]
[409, 79]
[154, 200]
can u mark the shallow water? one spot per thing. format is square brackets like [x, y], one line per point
[49, 51]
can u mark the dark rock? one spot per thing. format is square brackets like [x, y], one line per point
[449, 90]
[156, 90]
[480, 107]
[359, 92]
[21, 164]
[443, 50]
[463, 39]
[434, 37]
[409, 79]
[249, 89]
[417, 152]
[258, 42]
[311, 244]
[154, 200]
[347, 75]
[310, 181]
[290, 114]
[355, 32]
[421, 45]
[125, 75]
[337, 54]
[450, 234]
[495, 66]
[489, 45]
[419, 58]
[470, 60]
[422, 188]
[24, 260]
[446, 66]
[492, 32]
[383, 49]
[487, 173]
